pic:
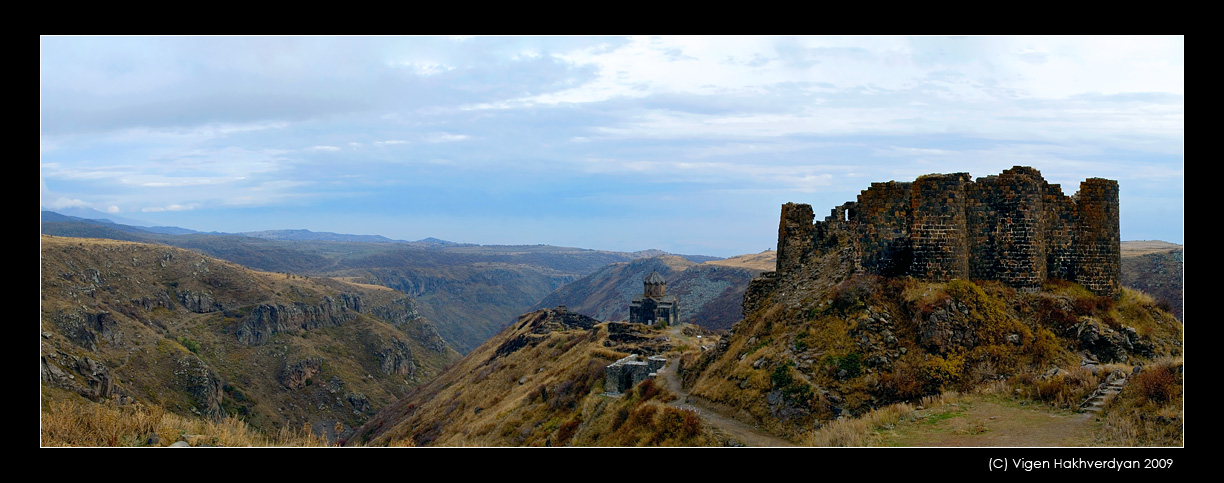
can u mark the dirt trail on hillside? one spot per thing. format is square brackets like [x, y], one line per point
[742, 433]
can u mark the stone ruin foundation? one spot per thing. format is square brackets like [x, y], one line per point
[623, 375]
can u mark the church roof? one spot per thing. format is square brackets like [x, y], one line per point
[654, 277]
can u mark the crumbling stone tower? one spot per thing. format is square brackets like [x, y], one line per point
[1013, 227]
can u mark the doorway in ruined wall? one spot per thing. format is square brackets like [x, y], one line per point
[626, 379]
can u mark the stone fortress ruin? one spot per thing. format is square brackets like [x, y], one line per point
[1013, 227]
[624, 374]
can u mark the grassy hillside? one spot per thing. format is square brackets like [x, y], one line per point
[541, 383]
[127, 323]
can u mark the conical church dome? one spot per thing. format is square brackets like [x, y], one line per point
[654, 278]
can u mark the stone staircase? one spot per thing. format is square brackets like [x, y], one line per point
[1096, 402]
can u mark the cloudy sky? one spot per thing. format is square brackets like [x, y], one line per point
[685, 144]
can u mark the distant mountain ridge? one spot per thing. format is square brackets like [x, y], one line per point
[303, 235]
[469, 291]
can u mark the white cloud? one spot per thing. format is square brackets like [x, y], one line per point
[66, 203]
[174, 207]
[444, 137]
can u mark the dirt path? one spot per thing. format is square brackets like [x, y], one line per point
[742, 433]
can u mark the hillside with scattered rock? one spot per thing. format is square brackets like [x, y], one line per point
[542, 382]
[150, 325]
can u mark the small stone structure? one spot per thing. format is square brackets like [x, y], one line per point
[1013, 227]
[654, 306]
[623, 375]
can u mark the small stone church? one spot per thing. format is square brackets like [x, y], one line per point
[654, 306]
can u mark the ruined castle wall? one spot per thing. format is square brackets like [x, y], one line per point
[796, 236]
[882, 217]
[1013, 227]
[1007, 235]
[1098, 246]
[938, 227]
[1060, 234]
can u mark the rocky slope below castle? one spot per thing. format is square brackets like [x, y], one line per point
[156, 325]
[541, 382]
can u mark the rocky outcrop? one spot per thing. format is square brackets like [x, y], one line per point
[199, 381]
[268, 319]
[301, 373]
[1109, 345]
[537, 325]
[83, 375]
[86, 328]
[403, 314]
[399, 312]
[947, 328]
[199, 302]
[397, 359]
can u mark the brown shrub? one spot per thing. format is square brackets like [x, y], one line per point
[567, 430]
[1157, 384]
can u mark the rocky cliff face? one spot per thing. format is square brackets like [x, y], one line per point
[268, 319]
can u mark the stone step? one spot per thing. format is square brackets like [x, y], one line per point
[1099, 400]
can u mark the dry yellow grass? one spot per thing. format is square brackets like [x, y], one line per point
[73, 423]
[862, 431]
[1143, 247]
[764, 261]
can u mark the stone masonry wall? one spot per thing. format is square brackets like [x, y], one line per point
[939, 230]
[1007, 228]
[1098, 248]
[883, 213]
[1013, 227]
[795, 236]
